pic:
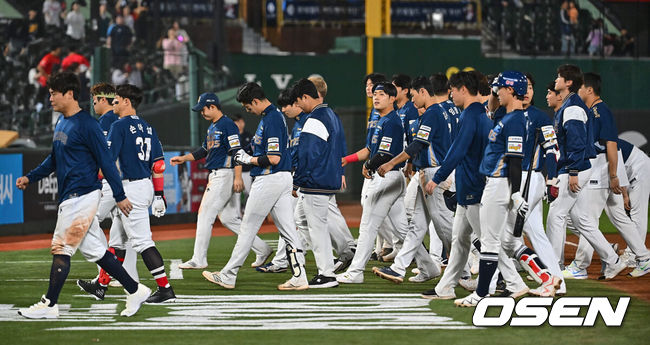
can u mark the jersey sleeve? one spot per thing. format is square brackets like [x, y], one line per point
[272, 139]
[514, 133]
[232, 139]
[457, 151]
[426, 128]
[115, 140]
[157, 152]
[97, 145]
[574, 123]
[44, 169]
[313, 142]
[608, 130]
[390, 135]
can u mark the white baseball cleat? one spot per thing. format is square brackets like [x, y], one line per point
[614, 270]
[260, 259]
[468, 283]
[215, 278]
[191, 265]
[347, 278]
[40, 310]
[642, 268]
[548, 288]
[135, 300]
[295, 283]
[433, 294]
[574, 272]
[420, 278]
[469, 301]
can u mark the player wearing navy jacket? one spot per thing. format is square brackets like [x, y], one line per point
[270, 192]
[222, 194]
[464, 157]
[134, 144]
[607, 166]
[78, 150]
[429, 147]
[385, 193]
[407, 112]
[573, 130]
[318, 174]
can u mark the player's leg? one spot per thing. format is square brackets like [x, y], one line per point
[316, 211]
[264, 194]
[410, 195]
[435, 244]
[558, 213]
[342, 239]
[106, 202]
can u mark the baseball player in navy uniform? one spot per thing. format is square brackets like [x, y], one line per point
[318, 174]
[270, 192]
[385, 193]
[225, 182]
[428, 149]
[637, 167]
[607, 166]
[574, 131]
[464, 157]
[103, 95]
[78, 150]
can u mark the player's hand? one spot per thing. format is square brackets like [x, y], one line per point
[365, 172]
[159, 206]
[125, 206]
[176, 160]
[430, 187]
[626, 200]
[238, 185]
[423, 180]
[243, 158]
[574, 185]
[344, 162]
[520, 204]
[384, 168]
[294, 193]
[615, 185]
[22, 182]
[408, 170]
[552, 189]
[344, 185]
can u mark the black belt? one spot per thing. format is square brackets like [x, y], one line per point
[71, 196]
[134, 179]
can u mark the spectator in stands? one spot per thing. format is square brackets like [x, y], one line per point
[74, 57]
[121, 75]
[76, 23]
[573, 14]
[104, 21]
[142, 23]
[568, 42]
[609, 43]
[626, 43]
[137, 74]
[119, 40]
[35, 25]
[184, 38]
[47, 64]
[129, 20]
[595, 38]
[173, 53]
[52, 12]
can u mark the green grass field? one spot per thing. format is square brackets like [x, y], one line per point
[376, 312]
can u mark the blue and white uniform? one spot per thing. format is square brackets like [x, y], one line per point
[409, 115]
[270, 193]
[452, 115]
[106, 204]
[385, 200]
[78, 150]
[220, 145]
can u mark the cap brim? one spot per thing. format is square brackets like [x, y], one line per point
[197, 107]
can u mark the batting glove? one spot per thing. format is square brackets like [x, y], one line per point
[552, 189]
[159, 206]
[242, 158]
[520, 204]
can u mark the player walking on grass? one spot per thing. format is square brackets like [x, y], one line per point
[575, 139]
[78, 150]
[224, 182]
[135, 146]
[318, 175]
[270, 192]
[385, 199]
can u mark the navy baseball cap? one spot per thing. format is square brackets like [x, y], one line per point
[207, 98]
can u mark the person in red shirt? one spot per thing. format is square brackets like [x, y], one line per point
[47, 63]
[73, 57]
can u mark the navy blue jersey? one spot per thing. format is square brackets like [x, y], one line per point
[78, 150]
[604, 126]
[546, 146]
[271, 139]
[452, 113]
[320, 149]
[573, 130]
[434, 132]
[106, 120]
[388, 137]
[295, 138]
[135, 145]
[221, 143]
[413, 130]
[372, 124]
[505, 140]
[408, 114]
[626, 148]
[466, 154]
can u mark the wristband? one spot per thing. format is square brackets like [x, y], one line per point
[158, 183]
[351, 158]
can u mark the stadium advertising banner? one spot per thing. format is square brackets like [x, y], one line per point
[11, 198]
[41, 198]
[198, 180]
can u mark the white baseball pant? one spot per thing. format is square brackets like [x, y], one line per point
[77, 228]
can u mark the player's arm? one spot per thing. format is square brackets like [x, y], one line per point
[612, 166]
[233, 143]
[313, 142]
[42, 170]
[514, 153]
[360, 155]
[97, 145]
[196, 155]
[574, 123]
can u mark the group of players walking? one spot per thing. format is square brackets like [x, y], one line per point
[467, 160]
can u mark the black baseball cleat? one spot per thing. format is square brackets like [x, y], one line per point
[162, 295]
[92, 287]
[321, 281]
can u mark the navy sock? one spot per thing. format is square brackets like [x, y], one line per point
[477, 244]
[487, 267]
[58, 274]
[113, 267]
[152, 258]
